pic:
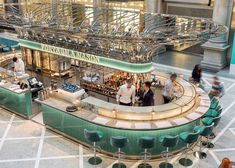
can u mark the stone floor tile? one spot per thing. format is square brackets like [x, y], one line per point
[19, 149]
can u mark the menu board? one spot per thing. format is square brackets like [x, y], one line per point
[190, 1]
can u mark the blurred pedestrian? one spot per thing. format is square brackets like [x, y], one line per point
[217, 89]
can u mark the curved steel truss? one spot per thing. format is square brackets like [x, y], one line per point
[121, 34]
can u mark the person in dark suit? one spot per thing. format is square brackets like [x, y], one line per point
[148, 95]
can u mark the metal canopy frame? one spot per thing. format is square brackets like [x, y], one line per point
[130, 36]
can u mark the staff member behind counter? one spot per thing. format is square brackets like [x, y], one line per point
[19, 66]
[126, 93]
[170, 89]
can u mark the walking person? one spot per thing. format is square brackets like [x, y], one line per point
[197, 74]
[217, 89]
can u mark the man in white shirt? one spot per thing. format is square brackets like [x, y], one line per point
[19, 66]
[126, 93]
[169, 89]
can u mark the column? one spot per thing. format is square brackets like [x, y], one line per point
[152, 20]
[97, 15]
[151, 8]
[215, 50]
[54, 10]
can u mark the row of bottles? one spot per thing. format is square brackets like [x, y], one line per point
[43, 94]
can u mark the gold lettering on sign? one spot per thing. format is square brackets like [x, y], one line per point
[70, 53]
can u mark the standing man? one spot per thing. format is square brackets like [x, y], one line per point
[169, 89]
[126, 93]
[19, 66]
[148, 96]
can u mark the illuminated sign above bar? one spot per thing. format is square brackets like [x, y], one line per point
[70, 53]
[90, 58]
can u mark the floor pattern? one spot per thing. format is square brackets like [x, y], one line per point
[26, 144]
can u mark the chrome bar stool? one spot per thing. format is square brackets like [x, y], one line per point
[119, 142]
[94, 137]
[188, 138]
[208, 121]
[146, 143]
[168, 141]
[204, 131]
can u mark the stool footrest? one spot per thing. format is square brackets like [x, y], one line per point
[144, 165]
[212, 136]
[119, 165]
[200, 155]
[95, 160]
[185, 162]
[208, 144]
[165, 165]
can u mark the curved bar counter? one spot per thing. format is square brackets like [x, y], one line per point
[132, 122]
[185, 101]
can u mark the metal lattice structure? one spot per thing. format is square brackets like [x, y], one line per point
[120, 34]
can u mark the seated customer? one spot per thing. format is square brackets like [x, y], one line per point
[148, 95]
[170, 89]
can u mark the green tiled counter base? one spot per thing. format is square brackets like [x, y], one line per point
[18, 103]
[74, 126]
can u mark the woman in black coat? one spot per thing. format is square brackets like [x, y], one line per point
[197, 74]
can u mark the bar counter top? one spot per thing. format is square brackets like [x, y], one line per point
[6, 84]
[13, 87]
[94, 117]
[186, 101]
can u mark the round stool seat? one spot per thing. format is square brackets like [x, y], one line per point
[93, 136]
[214, 103]
[146, 142]
[209, 120]
[213, 112]
[204, 130]
[118, 141]
[189, 138]
[169, 141]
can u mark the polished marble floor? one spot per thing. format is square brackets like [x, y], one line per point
[27, 144]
